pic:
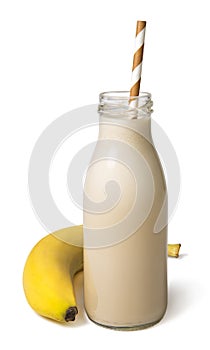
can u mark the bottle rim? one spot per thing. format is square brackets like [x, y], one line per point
[122, 95]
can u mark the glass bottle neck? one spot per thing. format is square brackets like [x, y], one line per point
[119, 115]
[112, 128]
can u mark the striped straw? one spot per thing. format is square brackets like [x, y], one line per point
[137, 61]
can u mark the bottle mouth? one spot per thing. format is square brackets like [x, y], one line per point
[120, 103]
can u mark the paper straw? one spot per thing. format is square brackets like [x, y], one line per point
[137, 61]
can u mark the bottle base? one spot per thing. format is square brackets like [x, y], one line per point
[126, 328]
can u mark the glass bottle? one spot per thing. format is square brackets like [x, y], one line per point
[125, 218]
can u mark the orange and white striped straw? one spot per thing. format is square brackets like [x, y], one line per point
[137, 61]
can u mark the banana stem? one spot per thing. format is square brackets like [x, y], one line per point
[71, 313]
[173, 250]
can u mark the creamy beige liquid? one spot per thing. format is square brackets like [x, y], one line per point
[125, 281]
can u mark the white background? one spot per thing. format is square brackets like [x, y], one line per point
[58, 55]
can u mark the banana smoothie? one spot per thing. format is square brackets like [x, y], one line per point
[125, 219]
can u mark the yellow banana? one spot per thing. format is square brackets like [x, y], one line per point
[173, 250]
[49, 271]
